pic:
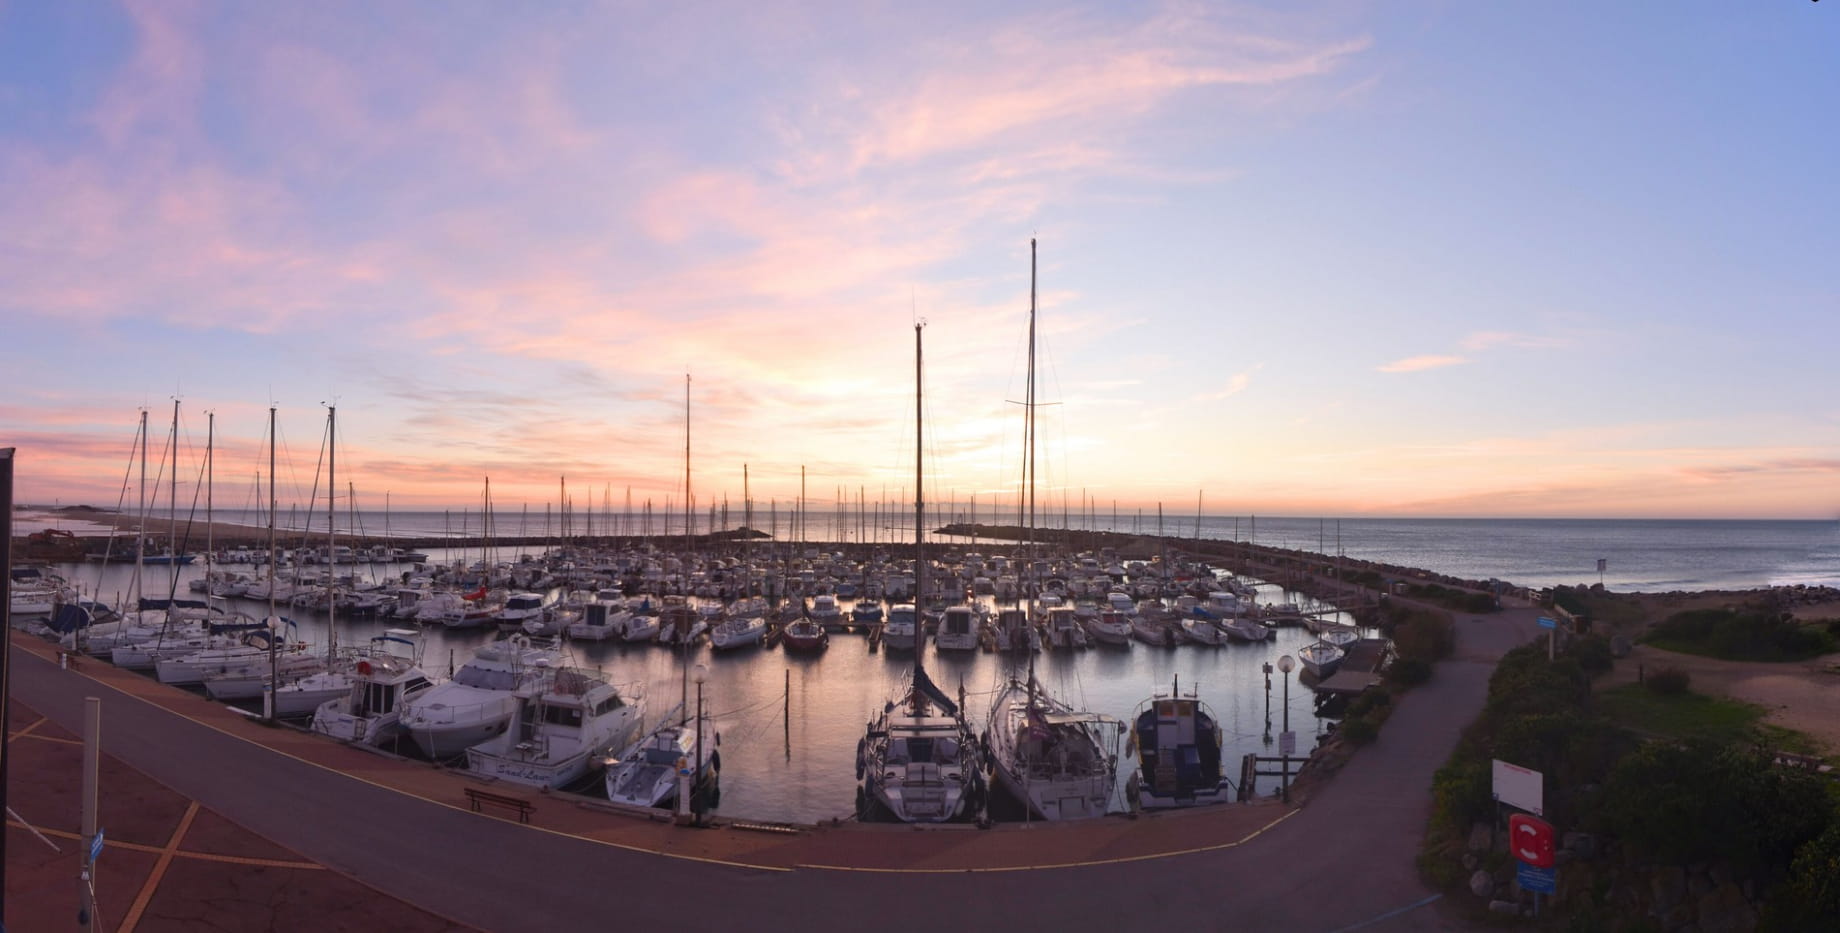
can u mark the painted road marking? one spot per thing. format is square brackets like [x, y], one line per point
[41, 721]
[196, 856]
[1094, 863]
[1389, 914]
[159, 871]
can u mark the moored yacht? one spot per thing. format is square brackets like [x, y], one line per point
[564, 718]
[478, 702]
[384, 679]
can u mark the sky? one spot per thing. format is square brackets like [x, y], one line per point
[1338, 259]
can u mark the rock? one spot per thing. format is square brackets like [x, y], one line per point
[1678, 919]
[1668, 885]
[1504, 907]
[1470, 861]
[1479, 837]
[1582, 845]
[1481, 885]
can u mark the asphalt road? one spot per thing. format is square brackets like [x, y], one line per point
[1345, 861]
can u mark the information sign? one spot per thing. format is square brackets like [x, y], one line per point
[1520, 787]
[1537, 880]
[1287, 744]
[1548, 623]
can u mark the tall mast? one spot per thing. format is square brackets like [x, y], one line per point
[271, 512]
[332, 511]
[1029, 468]
[919, 525]
[140, 535]
[688, 520]
[172, 513]
[210, 537]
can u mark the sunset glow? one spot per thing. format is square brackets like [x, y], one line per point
[1331, 259]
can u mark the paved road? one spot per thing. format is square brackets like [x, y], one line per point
[1344, 861]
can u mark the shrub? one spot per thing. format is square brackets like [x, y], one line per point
[1668, 681]
[1741, 635]
[1592, 653]
[1409, 672]
[1359, 730]
[1479, 603]
[1811, 898]
[1367, 702]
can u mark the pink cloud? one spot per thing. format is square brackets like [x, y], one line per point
[1413, 364]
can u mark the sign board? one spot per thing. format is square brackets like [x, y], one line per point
[1537, 880]
[1531, 840]
[95, 846]
[1548, 623]
[1287, 744]
[1520, 787]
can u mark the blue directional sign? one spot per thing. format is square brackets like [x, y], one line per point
[1537, 880]
[95, 846]
[1548, 623]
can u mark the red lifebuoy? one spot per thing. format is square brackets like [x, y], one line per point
[364, 667]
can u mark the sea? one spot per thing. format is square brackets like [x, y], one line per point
[788, 724]
[1636, 555]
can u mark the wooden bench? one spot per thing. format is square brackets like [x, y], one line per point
[479, 798]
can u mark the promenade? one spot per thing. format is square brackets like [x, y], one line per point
[401, 828]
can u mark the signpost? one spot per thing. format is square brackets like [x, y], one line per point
[1552, 635]
[1530, 838]
[1520, 787]
[1538, 880]
[95, 847]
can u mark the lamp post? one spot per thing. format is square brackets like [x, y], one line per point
[1286, 741]
[274, 665]
[700, 674]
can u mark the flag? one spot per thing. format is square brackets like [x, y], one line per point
[1600, 564]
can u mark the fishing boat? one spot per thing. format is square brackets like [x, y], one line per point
[1178, 741]
[917, 761]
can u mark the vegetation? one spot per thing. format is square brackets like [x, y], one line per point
[1741, 635]
[1454, 599]
[1419, 634]
[1668, 681]
[1675, 778]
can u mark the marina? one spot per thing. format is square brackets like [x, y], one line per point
[787, 721]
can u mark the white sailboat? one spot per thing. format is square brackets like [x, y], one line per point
[917, 760]
[1058, 762]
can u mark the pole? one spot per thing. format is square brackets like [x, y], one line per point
[1267, 669]
[786, 714]
[92, 758]
[1286, 786]
[696, 768]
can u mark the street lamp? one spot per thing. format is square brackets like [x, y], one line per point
[1286, 741]
[274, 672]
[1267, 669]
[700, 674]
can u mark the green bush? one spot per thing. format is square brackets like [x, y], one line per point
[1421, 634]
[1479, 603]
[1592, 653]
[1668, 681]
[1747, 635]
[1811, 898]
[1367, 702]
[1359, 730]
[1408, 672]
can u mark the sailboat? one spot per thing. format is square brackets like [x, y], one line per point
[918, 760]
[1058, 762]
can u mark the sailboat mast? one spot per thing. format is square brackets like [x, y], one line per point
[1029, 459]
[172, 513]
[689, 527]
[210, 535]
[140, 536]
[919, 522]
[271, 511]
[332, 511]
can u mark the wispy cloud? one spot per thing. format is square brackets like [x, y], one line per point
[1413, 364]
[1491, 339]
[1235, 385]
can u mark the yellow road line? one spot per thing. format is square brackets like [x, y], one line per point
[1092, 863]
[50, 738]
[246, 860]
[159, 871]
[197, 856]
[41, 721]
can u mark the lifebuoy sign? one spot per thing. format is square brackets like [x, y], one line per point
[1531, 840]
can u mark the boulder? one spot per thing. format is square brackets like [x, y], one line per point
[1668, 886]
[1479, 837]
[1481, 885]
[1725, 910]
[1470, 861]
[1504, 907]
[1582, 845]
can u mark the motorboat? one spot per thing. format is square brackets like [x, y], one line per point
[825, 611]
[384, 679]
[564, 719]
[1110, 627]
[1178, 741]
[1246, 629]
[804, 634]
[959, 629]
[901, 631]
[601, 620]
[478, 703]
[1014, 633]
[866, 613]
[1064, 628]
[648, 772]
[1320, 658]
